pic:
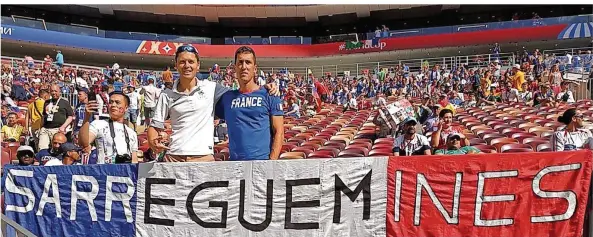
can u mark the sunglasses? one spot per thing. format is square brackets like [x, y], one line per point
[186, 48]
[578, 116]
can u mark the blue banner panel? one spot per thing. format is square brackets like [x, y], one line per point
[68, 39]
[90, 200]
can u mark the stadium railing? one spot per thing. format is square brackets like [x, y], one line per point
[487, 26]
[17, 229]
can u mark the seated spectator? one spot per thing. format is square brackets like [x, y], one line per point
[12, 131]
[410, 143]
[574, 136]
[565, 94]
[25, 155]
[294, 109]
[454, 146]
[525, 96]
[544, 97]
[444, 128]
[70, 155]
[54, 152]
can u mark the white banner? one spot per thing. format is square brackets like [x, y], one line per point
[309, 198]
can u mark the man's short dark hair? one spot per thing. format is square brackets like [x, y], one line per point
[245, 49]
[11, 113]
[43, 91]
[127, 99]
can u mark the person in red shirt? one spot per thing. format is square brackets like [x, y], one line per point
[321, 90]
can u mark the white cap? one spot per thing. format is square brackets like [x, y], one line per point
[25, 148]
[517, 66]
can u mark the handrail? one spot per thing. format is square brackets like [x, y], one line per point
[21, 231]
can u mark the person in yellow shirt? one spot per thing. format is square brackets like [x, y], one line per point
[485, 83]
[518, 78]
[34, 116]
[11, 132]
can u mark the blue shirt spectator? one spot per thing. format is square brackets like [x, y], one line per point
[59, 58]
[249, 122]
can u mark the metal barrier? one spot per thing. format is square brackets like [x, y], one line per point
[18, 229]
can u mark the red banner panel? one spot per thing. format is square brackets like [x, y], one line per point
[388, 44]
[489, 195]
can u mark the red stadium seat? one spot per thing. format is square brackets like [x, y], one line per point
[381, 152]
[351, 153]
[509, 148]
[321, 154]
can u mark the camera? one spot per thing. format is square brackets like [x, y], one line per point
[122, 159]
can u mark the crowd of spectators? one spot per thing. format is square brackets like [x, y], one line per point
[41, 115]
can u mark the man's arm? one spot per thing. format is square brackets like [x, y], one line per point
[85, 137]
[157, 123]
[278, 140]
[277, 117]
[70, 114]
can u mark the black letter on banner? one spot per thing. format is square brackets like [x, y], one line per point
[157, 201]
[364, 186]
[298, 204]
[269, 195]
[189, 204]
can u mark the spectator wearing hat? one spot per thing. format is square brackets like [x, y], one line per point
[70, 155]
[453, 146]
[573, 136]
[25, 155]
[444, 128]
[59, 59]
[410, 143]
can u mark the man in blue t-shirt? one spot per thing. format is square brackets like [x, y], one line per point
[254, 118]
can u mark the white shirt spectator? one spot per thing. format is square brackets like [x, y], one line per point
[419, 142]
[569, 58]
[569, 95]
[81, 82]
[353, 103]
[104, 141]
[133, 100]
[151, 95]
[580, 139]
[378, 33]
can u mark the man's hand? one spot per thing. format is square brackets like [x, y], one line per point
[92, 107]
[62, 130]
[272, 89]
[156, 146]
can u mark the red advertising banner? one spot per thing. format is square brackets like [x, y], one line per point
[489, 195]
[388, 44]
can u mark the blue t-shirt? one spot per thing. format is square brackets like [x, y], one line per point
[249, 123]
[45, 155]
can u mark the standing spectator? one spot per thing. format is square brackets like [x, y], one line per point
[555, 78]
[116, 142]
[496, 51]
[12, 131]
[251, 112]
[151, 95]
[30, 61]
[57, 116]
[132, 113]
[518, 78]
[385, 31]
[59, 59]
[80, 113]
[34, 116]
[168, 75]
[574, 136]
[377, 33]
[410, 143]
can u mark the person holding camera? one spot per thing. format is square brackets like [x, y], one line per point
[115, 141]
